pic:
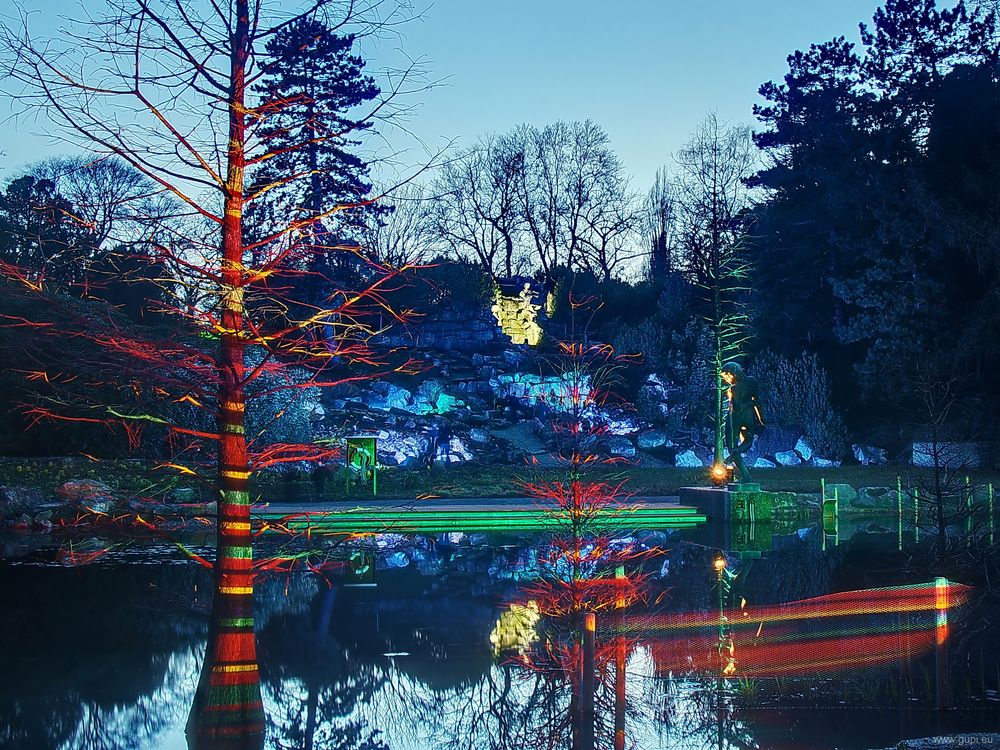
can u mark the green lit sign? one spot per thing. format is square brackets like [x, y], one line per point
[361, 463]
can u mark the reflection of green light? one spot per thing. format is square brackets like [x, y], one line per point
[372, 520]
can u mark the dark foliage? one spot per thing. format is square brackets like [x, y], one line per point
[876, 241]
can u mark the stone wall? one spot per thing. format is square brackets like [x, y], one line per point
[450, 331]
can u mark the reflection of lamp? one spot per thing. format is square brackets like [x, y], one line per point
[719, 564]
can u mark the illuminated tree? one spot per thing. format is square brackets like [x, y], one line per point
[167, 87]
[712, 201]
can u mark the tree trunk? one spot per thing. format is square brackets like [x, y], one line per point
[228, 711]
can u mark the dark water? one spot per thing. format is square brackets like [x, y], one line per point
[107, 654]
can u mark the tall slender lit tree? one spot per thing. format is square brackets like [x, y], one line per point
[712, 199]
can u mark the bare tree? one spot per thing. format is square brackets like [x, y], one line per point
[477, 210]
[658, 225]
[549, 198]
[610, 237]
[574, 198]
[115, 201]
[405, 234]
[712, 199]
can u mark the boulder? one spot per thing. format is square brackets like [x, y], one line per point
[952, 455]
[620, 446]
[479, 435]
[825, 463]
[513, 357]
[619, 423]
[392, 560]
[787, 458]
[846, 494]
[385, 396]
[804, 449]
[868, 455]
[688, 459]
[458, 451]
[776, 438]
[651, 439]
[85, 492]
[763, 463]
[15, 501]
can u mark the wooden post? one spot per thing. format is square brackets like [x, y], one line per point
[989, 490]
[587, 688]
[899, 513]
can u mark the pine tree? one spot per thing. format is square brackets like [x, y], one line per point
[315, 84]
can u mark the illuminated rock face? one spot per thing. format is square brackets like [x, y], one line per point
[518, 316]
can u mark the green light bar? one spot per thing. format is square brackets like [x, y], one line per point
[514, 519]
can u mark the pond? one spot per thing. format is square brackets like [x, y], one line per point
[436, 641]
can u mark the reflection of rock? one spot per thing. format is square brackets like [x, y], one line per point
[875, 497]
[89, 494]
[15, 501]
[844, 492]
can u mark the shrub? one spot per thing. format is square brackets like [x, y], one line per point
[796, 393]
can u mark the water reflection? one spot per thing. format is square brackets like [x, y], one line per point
[111, 656]
[227, 712]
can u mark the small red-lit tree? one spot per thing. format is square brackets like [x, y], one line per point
[586, 568]
[176, 90]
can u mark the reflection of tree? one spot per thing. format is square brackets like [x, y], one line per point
[312, 686]
[227, 712]
[103, 682]
[584, 575]
[699, 713]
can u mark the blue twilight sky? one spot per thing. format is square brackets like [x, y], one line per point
[646, 70]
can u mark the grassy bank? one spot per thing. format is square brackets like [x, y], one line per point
[138, 478]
